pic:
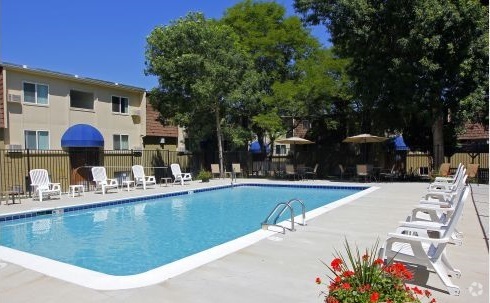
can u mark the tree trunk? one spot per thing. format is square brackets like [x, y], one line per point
[438, 141]
[220, 143]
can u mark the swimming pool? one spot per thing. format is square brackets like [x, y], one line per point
[137, 237]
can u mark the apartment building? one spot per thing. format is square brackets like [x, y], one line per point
[77, 121]
[38, 107]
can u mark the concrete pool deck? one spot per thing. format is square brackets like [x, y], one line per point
[281, 268]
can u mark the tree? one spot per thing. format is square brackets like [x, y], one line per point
[200, 65]
[275, 43]
[412, 61]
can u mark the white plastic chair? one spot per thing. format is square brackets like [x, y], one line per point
[430, 252]
[140, 178]
[101, 180]
[179, 177]
[42, 186]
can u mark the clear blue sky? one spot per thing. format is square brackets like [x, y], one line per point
[101, 39]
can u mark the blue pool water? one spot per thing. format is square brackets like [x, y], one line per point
[135, 237]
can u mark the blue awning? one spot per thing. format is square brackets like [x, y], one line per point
[400, 144]
[255, 148]
[82, 135]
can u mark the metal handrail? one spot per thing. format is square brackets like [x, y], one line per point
[284, 205]
[303, 209]
[266, 225]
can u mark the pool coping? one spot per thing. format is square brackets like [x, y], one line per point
[100, 281]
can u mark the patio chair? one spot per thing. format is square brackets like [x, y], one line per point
[101, 181]
[179, 177]
[215, 170]
[448, 186]
[42, 186]
[236, 169]
[310, 173]
[140, 178]
[364, 171]
[438, 206]
[473, 172]
[290, 172]
[344, 173]
[444, 170]
[426, 251]
[388, 174]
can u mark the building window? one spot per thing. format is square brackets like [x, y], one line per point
[120, 105]
[121, 142]
[36, 93]
[280, 149]
[36, 139]
[81, 100]
[306, 124]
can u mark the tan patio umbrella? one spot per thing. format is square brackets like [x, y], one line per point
[294, 141]
[365, 138]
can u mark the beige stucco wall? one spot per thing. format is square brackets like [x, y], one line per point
[58, 116]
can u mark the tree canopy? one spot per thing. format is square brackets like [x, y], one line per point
[416, 65]
[200, 66]
[276, 44]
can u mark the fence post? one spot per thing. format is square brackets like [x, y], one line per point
[28, 184]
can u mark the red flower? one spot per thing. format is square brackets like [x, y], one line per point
[364, 288]
[365, 257]
[378, 262]
[433, 300]
[417, 290]
[399, 270]
[427, 293]
[331, 299]
[345, 285]
[348, 273]
[318, 280]
[336, 264]
[374, 297]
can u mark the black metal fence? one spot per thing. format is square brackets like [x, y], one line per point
[74, 166]
[70, 167]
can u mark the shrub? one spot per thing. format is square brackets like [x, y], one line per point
[204, 175]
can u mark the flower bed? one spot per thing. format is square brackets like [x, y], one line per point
[361, 278]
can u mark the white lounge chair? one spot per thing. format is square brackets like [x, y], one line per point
[42, 186]
[179, 177]
[426, 251]
[448, 184]
[450, 178]
[140, 178]
[101, 181]
[435, 216]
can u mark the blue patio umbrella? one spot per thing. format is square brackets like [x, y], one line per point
[399, 143]
[255, 148]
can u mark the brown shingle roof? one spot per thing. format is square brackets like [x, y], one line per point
[474, 131]
[154, 127]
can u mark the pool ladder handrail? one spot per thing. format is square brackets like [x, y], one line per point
[285, 205]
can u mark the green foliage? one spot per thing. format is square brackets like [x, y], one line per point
[276, 43]
[274, 40]
[411, 60]
[204, 175]
[200, 66]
